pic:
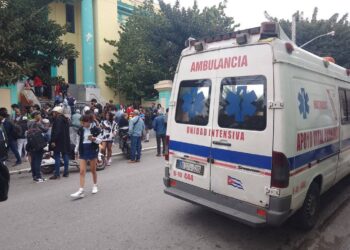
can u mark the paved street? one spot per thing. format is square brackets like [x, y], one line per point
[131, 212]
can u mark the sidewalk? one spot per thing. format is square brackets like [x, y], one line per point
[25, 166]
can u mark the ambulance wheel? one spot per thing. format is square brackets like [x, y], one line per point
[308, 214]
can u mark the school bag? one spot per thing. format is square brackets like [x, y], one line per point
[35, 140]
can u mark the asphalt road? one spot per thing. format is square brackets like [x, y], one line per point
[131, 212]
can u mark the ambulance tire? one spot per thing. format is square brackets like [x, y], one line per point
[308, 214]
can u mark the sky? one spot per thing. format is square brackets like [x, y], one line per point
[250, 13]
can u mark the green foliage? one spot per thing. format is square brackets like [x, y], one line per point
[29, 41]
[151, 43]
[337, 46]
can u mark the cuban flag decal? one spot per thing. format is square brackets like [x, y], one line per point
[234, 182]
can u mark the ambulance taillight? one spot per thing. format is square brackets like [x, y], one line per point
[166, 155]
[280, 170]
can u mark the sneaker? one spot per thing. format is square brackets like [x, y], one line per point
[78, 194]
[65, 175]
[110, 161]
[131, 161]
[158, 155]
[39, 180]
[94, 189]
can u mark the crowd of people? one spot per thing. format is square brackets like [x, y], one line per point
[63, 127]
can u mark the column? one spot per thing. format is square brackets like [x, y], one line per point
[88, 46]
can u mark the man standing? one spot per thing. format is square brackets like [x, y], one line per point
[38, 86]
[35, 145]
[71, 102]
[60, 141]
[160, 128]
[9, 130]
[136, 127]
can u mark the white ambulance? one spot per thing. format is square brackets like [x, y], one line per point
[258, 128]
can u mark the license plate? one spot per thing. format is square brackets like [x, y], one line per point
[190, 167]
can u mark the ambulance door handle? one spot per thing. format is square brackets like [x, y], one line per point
[222, 143]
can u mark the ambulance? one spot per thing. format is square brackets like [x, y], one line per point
[258, 128]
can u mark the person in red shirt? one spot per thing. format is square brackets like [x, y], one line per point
[130, 111]
[38, 85]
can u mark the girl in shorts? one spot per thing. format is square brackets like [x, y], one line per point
[88, 147]
[109, 130]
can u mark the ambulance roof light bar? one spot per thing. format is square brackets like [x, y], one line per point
[266, 30]
[269, 29]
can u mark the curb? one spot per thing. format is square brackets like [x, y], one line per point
[26, 170]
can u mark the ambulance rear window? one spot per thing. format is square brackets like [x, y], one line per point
[243, 103]
[193, 102]
[344, 97]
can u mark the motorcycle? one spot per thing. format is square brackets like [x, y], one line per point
[48, 162]
[124, 141]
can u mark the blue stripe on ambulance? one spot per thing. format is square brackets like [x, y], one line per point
[253, 160]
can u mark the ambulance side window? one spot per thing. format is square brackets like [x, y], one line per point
[243, 103]
[344, 99]
[193, 102]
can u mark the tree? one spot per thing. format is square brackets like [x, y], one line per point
[29, 42]
[151, 42]
[337, 46]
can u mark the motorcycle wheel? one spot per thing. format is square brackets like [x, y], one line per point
[101, 165]
[47, 169]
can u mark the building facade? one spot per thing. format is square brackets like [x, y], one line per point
[89, 23]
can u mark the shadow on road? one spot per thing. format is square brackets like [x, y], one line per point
[231, 233]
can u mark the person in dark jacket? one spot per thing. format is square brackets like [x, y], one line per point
[4, 180]
[4, 172]
[9, 130]
[160, 128]
[60, 142]
[36, 154]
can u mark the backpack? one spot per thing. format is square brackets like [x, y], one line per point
[36, 140]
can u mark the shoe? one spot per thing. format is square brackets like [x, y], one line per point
[138, 160]
[54, 177]
[131, 161]
[16, 164]
[78, 194]
[65, 175]
[158, 155]
[146, 140]
[94, 189]
[109, 162]
[39, 180]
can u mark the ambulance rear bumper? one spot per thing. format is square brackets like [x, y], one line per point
[230, 207]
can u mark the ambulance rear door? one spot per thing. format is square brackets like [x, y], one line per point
[190, 124]
[242, 133]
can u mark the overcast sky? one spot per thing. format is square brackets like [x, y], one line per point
[251, 13]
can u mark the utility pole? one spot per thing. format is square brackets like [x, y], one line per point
[295, 18]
